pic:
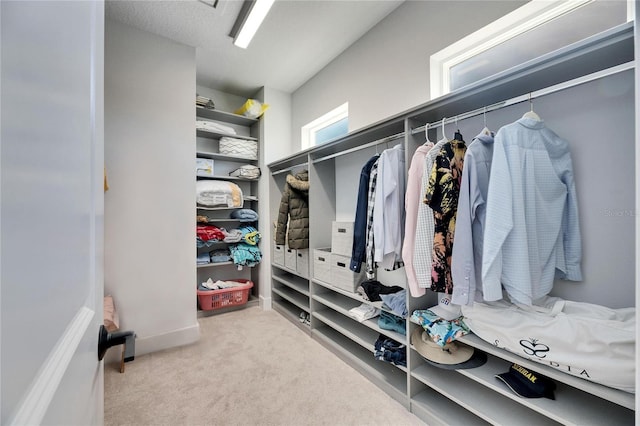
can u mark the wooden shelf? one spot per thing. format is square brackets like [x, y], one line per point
[291, 313]
[227, 117]
[216, 264]
[229, 178]
[436, 409]
[297, 286]
[473, 397]
[217, 135]
[570, 406]
[223, 157]
[292, 296]
[225, 208]
[343, 305]
[354, 296]
[616, 396]
[239, 127]
[390, 378]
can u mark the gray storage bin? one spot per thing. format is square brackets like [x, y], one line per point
[278, 254]
[342, 238]
[343, 277]
[290, 258]
[302, 262]
[322, 264]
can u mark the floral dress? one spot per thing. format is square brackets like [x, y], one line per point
[442, 195]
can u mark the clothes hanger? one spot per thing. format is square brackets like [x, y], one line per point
[426, 134]
[444, 136]
[457, 135]
[486, 130]
[531, 114]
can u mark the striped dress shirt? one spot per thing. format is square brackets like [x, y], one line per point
[423, 246]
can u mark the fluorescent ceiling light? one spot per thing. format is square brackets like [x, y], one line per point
[251, 16]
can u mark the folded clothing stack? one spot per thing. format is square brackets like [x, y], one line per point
[203, 259]
[222, 255]
[389, 321]
[396, 302]
[203, 101]
[245, 255]
[364, 312]
[244, 215]
[212, 126]
[372, 289]
[388, 350]
[442, 330]
[250, 235]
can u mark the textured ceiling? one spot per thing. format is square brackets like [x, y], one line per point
[296, 40]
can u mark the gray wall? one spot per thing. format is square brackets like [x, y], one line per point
[150, 254]
[387, 70]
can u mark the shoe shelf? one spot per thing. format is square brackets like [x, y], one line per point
[292, 281]
[290, 312]
[472, 396]
[354, 296]
[571, 406]
[390, 378]
[438, 410]
[289, 271]
[343, 305]
[617, 397]
[349, 328]
[292, 297]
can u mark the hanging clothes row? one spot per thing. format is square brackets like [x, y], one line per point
[511, 206]
[432, 221]
[378, 231]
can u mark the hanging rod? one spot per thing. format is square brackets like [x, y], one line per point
[530, 96]
[289, 168]
[359, 147]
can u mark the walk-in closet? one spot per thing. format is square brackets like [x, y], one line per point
[390, 212]
[584, 92]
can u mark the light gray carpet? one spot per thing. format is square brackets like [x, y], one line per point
[250, 367]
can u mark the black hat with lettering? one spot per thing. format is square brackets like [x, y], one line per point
[527, 383]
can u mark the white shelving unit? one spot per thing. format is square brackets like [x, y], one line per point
[207, 146]
[440, 396]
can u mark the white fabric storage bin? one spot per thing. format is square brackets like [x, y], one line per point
[239, 148]
[343, 277]
[302, 262]
[322, 264]
[342, 238]
[278, 254]
[290, 258]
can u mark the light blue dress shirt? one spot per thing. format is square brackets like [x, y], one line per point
[466, 260]
[532, 232]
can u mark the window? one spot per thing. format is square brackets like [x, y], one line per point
[333, 124]
[537, 28]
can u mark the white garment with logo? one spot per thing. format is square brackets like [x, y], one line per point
[589, 341]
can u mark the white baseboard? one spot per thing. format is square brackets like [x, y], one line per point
[147, 345]
[265, 303]
[172, 339]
